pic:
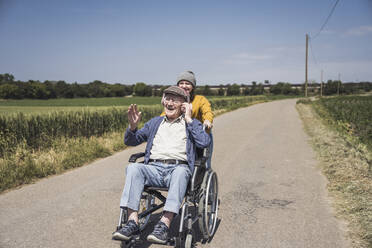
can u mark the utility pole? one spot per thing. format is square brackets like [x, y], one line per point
[307, 43]
[321, 83]
[338, 84]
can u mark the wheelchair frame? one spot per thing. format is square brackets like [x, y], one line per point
[201, 193]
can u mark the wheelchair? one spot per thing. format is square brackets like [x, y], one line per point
[200, 205]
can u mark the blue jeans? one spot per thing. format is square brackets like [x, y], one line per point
[174, 177]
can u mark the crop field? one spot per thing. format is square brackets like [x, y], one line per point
[38, 129]
[28, 106]
[351, 114]
[81, 102]
[11, 107]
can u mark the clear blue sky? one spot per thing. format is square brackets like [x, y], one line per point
[122, 41]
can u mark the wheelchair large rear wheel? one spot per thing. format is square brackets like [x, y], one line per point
[208, 205]
[145, 203]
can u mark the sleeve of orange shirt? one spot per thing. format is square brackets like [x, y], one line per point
[203, 108]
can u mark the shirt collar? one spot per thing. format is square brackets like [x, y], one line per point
[176, 120]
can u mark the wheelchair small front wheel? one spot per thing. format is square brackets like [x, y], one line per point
[147, 200]
[188, 241]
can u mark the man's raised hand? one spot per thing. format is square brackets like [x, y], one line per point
[134, 117]
[187, 109]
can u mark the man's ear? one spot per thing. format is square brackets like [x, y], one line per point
[163, 100]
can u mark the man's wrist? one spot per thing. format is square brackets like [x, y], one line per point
[132, 128]
[188, 119]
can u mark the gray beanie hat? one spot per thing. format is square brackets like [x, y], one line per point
[187, 76]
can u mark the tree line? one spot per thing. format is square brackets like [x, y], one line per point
[31, 89]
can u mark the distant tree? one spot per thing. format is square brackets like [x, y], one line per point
[350, 88]
[330, 87]
[128, 89]
[141, 89]
[207, 91]
[6, 78]
[117, 90]
[253, 88]
[40, 91]
[281, 89]
[296, 91]
[162, 89]
[246, 91]
[61, 88]
[366, 86]
[198, 90]
[221, 90]
[148, 90]
[260, 89]
[10, 91]
[96, 89]
[267, 85]
[79, 90]
[256, 89]
[51, 89]
[156, 92]
[233, 90]
[312, 85]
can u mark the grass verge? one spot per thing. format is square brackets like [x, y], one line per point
[25, 165]
[346, 164]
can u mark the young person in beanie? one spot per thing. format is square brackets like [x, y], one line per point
[201, 108]
[169, 160]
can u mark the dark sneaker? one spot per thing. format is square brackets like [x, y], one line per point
[130, 229]
[160, 234]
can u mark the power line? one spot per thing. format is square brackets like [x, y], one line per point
[329, 16]
[312, 52]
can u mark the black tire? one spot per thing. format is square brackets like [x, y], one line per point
[208, 205]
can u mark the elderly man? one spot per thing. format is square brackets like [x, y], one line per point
[169, 160]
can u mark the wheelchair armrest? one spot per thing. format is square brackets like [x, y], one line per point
[133, 158]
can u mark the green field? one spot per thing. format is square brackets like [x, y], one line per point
[29, 106]
[82, 102]
[340, 132]
[349, 114]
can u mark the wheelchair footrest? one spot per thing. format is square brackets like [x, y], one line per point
[170, 242]
[132, 242]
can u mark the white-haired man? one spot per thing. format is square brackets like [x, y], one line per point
[169, 160]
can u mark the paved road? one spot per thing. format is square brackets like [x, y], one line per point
[272, 194]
